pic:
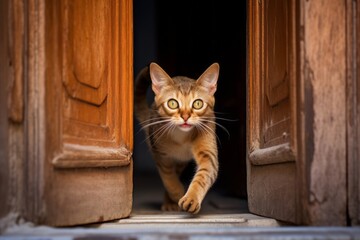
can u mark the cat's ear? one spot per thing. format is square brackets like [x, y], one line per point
[159, 78]
[209, 78]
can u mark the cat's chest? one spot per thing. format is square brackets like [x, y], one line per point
[181, 152]
[179, 147]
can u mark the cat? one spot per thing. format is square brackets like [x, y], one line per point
[180, 127]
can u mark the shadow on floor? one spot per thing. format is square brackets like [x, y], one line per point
[149, 193]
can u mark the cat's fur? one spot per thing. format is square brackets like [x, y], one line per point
[178, 135]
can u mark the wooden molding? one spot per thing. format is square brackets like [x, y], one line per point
[76, 156]
[272, 155]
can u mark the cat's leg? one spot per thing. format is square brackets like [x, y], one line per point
[174, 188]
[169, 205]
[180, 166]
[205, 155]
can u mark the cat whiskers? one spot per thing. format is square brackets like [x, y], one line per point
[171, 129]
[203, 128]
[160, 120]
[219, 118]
[163, 129]
[158, 133]
[155, 123]
[217, 124]
[152, 119]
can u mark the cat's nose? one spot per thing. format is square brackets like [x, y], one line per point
[185, 116]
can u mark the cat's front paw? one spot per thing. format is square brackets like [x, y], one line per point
[190, 204]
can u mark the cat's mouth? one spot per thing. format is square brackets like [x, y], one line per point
[186, 126]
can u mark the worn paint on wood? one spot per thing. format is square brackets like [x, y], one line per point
[323, 77]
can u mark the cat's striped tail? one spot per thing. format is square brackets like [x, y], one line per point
[142, 84]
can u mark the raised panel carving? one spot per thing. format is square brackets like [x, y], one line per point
[276, 49]
[86, 49]
[275, 92]
[93, 105]
[88, 71]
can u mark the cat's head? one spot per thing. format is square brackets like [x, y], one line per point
[186, 102]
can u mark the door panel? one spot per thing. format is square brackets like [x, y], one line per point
[275, 96]
[91, 87]
[84, 93]
[276, 42]
[271, 161]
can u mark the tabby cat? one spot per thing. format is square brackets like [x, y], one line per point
[180, 127]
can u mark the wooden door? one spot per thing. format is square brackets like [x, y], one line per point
[297, 143]
[79, 111]
[271, 125]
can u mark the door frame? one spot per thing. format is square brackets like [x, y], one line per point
[353, 110]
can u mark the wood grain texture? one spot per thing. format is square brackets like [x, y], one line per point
[356, 180]
[253, 107]
[271, 57]
[87, 49]
[271, 191]
[272, 155]
[16, 50]
[276, 44]
[78, 148]
[90, 73]
[15, 82]
[323, 115]
[77, 156]
[275, 72]
[4, 134]
[35, 147]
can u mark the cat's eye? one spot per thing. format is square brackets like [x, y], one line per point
[172, 104]
[198, 104]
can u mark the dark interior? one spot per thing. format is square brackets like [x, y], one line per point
[184, 38]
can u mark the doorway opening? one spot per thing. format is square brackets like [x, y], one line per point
[184, 38]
